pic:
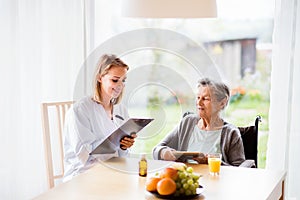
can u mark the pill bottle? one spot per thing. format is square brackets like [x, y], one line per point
[143, 166]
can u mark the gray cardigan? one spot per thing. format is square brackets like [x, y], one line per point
[231, 142]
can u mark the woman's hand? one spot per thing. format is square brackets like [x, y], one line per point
[127, 141]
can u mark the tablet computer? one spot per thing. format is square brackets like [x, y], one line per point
[188, 154]
[131, 126]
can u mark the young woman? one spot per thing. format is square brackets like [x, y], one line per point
[93, 118]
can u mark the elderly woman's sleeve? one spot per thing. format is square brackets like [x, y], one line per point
[236, 155]
[170, 141]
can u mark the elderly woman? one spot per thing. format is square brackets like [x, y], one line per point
[205, 131]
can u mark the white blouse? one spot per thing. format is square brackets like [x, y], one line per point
[205, 141]
[86, 125]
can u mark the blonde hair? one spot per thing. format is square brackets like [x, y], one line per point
[104, 64]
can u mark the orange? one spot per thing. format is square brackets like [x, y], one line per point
[169, 172]
[151, 184]
[166, 186]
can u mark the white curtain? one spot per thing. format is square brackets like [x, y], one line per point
[283, 145]
[41, 52]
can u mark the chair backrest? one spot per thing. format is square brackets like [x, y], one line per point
[250, 140]
[53, 116]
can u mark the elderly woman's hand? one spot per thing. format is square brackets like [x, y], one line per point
[127, 141]
[202, 159]
[167, 154]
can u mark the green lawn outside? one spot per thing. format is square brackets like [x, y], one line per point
[150, 137]
[262, 150]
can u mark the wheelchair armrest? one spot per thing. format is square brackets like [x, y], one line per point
[248, 163]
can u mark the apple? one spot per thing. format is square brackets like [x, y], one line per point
[169, 172]
[179, 166]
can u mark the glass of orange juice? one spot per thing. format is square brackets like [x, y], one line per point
[214, 163]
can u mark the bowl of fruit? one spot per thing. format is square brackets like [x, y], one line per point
[175, 182]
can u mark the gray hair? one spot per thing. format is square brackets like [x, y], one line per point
[220, 90]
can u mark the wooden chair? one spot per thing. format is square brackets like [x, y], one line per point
[53, 116]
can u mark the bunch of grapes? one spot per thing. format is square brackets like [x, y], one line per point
[186, 182]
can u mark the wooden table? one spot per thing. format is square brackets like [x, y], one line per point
[118, 179]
